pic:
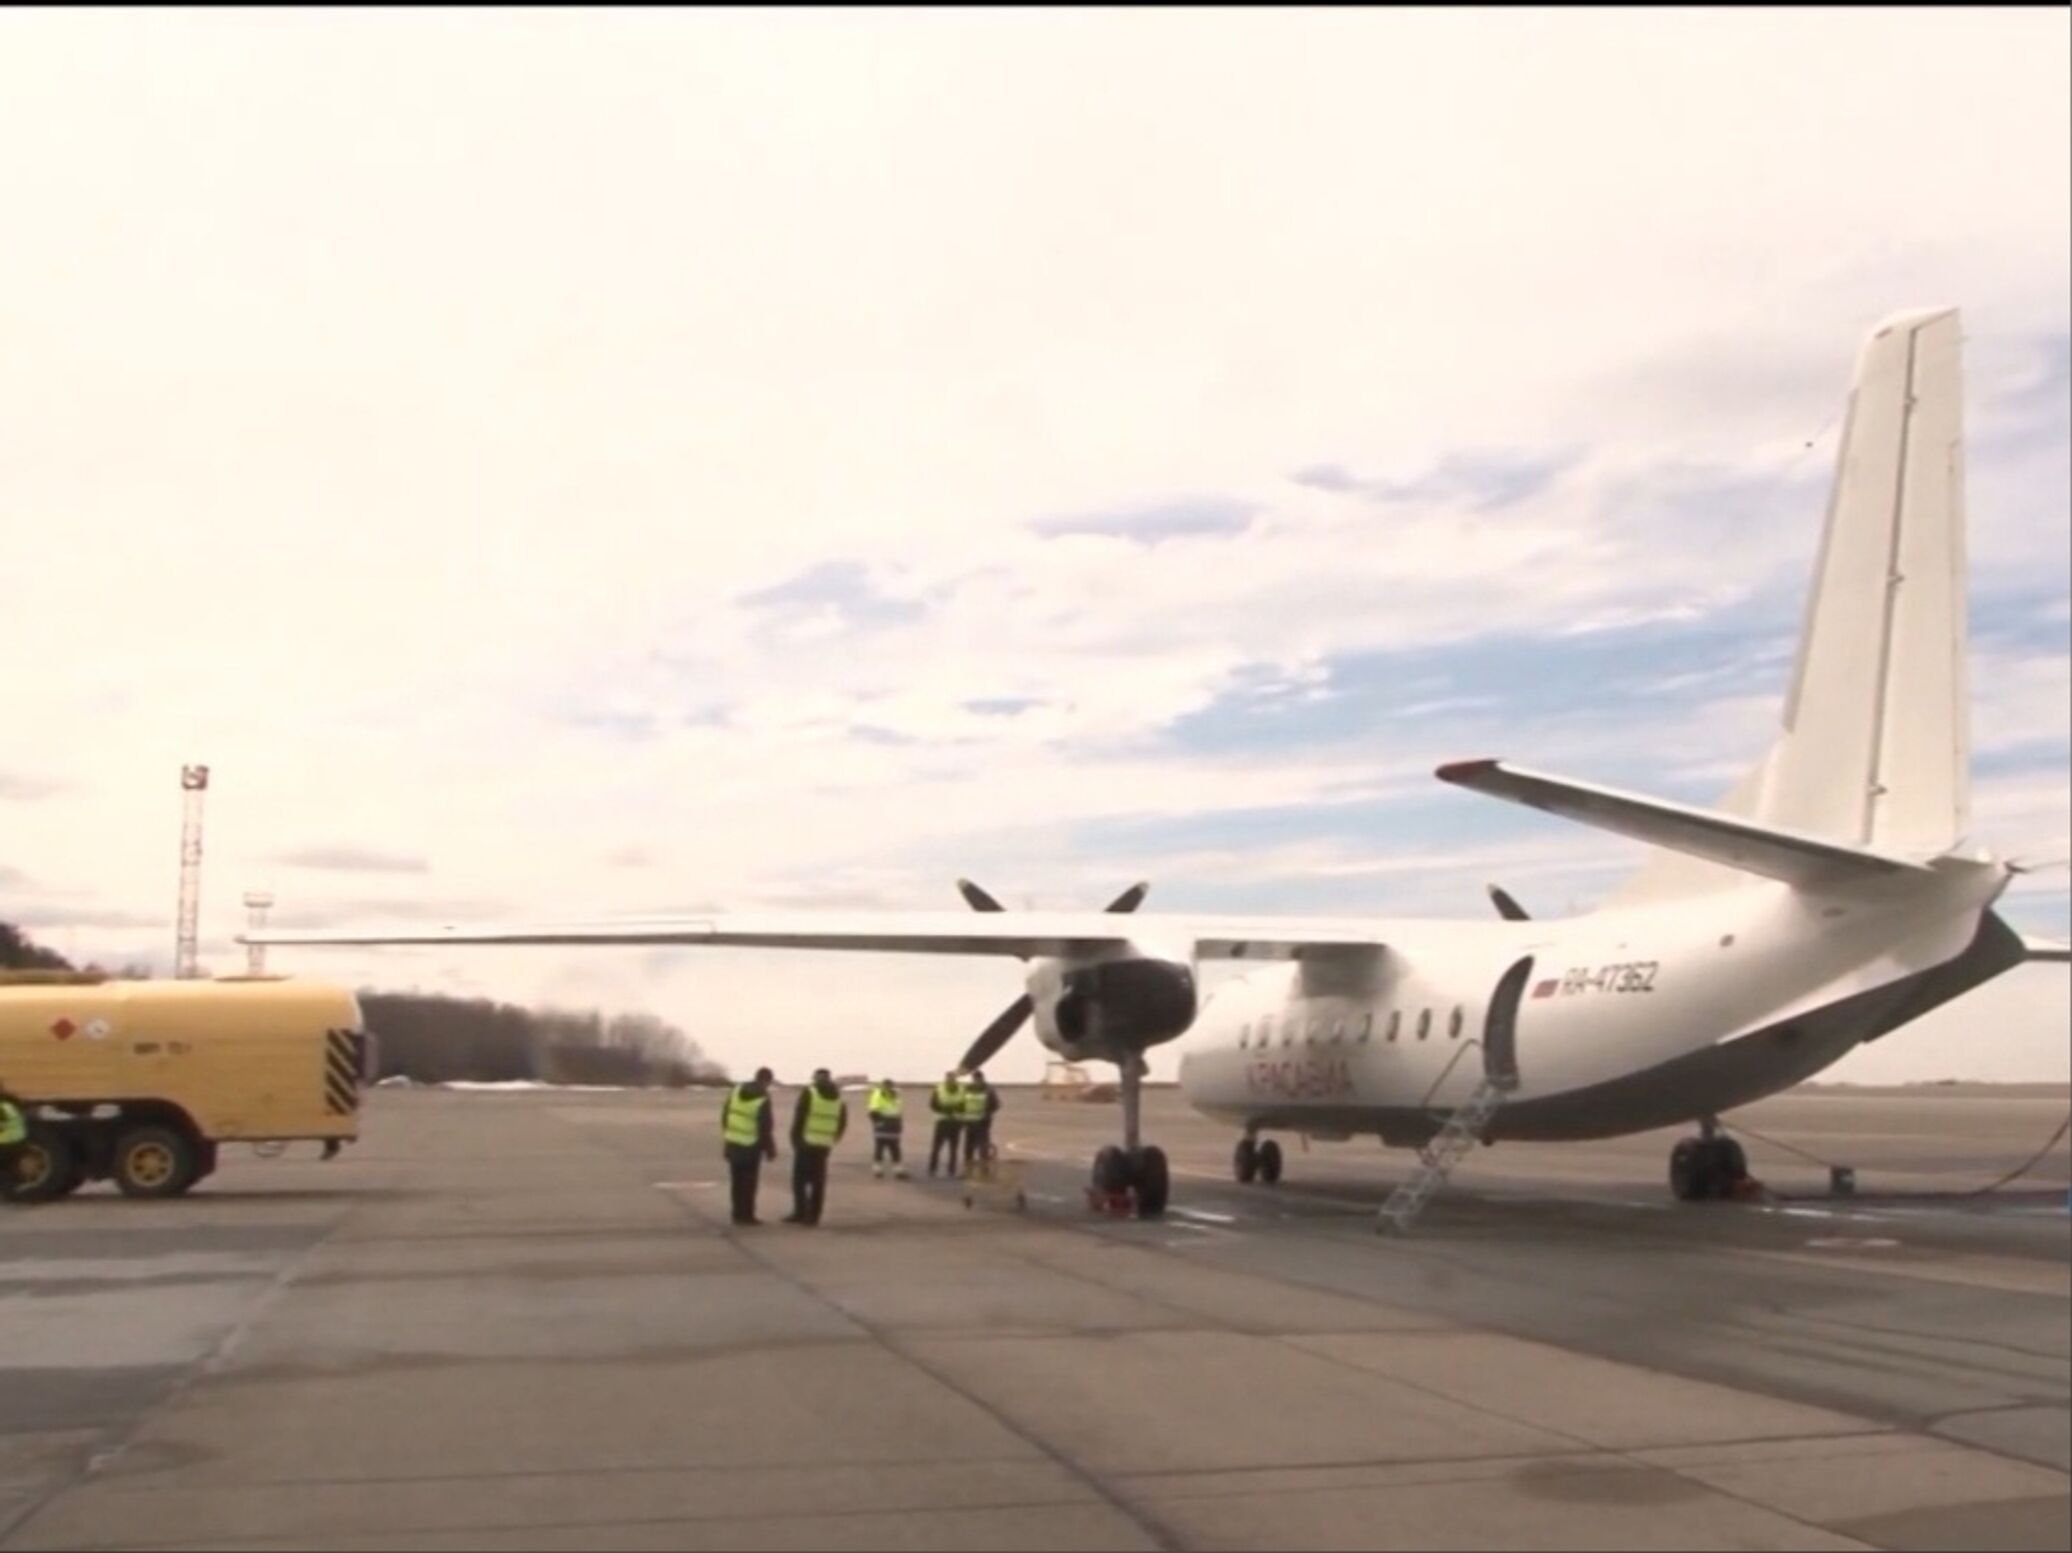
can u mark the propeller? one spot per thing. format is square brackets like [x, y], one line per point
[1507, 906]
[1016, 1014]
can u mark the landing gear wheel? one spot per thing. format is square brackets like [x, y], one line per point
[154, 1162]
[1245, 1163]
[1112, 1174]
[1690, 1170]
[1270, 1162]
[1729, 1166]
[1154, 1182]
[45, 1168]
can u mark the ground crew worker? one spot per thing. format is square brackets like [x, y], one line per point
[948, 1105]
[816, 1127]
[14, 1132]
[888, 1121]
[750, 1137]
[980, 1102]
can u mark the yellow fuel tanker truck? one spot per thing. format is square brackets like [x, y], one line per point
[139, 1082]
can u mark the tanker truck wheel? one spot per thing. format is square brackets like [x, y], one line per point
[155, 1161]
[44, 1168]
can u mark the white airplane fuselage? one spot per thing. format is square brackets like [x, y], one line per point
[1623, 1021]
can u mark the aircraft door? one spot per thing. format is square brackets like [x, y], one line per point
[1500, 1029]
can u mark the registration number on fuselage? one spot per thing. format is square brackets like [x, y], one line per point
[1625, 976]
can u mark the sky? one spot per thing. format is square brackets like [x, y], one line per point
[555, 463]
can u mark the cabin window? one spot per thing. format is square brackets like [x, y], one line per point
[1453, 1024]
[1366, 1026]
[1424, 1023]
[1290, 1028]
[1395, 1023]
[1244, 1036]
[1338, 1033]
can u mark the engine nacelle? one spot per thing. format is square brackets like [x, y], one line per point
[1113, 1007]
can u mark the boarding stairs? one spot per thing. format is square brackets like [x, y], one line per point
[1465, 1128]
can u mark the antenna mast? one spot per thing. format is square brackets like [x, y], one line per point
[194, 786]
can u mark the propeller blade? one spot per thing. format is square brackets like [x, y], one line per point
[1016, 1014]
[2023, 865]
[1132, 898]
[978, 899]
[1507, 907]
[997, 1034]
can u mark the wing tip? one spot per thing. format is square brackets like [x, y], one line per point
[1462, 772]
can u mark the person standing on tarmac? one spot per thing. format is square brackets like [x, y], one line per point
[948, 1105]
[981, 1100]
[888, 1121]
[750, 1138]
[14, 1132]
[816, 1127]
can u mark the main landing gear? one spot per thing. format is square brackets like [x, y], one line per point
[1132, 1177]
[1710, 1167]
[1256, 1161]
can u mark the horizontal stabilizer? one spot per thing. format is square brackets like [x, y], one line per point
[1704, 833]
[2047, 950]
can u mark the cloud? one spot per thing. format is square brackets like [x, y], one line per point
[374, 911]
[352, 859]
[841, 592]
[888, 529]
[1480, 480]
[1188, 518]
[55, 913]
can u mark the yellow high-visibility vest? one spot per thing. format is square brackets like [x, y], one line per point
[14, 1127]
[742, 1125]
[823, 1119]
[886, 1102]
[950, 1101]
[975, 1104]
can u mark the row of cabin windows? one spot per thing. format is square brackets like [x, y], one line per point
[1334, 1032]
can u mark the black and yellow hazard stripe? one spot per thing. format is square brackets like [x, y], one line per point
[341, 1073]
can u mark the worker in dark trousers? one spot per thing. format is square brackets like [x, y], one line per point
[816, 1127]
[981, 1102]
[750, 1135]
[948, 1105]
[888, 1123]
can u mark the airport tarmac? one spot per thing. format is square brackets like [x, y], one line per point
[521, 1321]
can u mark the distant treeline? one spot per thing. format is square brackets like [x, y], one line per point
[431, 1039]
[22, 959]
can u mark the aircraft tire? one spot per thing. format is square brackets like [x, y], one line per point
[1691, 1170]
[1270, 1162]
[1154, 1183]
[1244, 1164]
[1112, 1173]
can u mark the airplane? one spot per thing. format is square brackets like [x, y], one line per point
[1833, 896]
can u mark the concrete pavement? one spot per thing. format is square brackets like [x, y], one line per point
[520, 1321]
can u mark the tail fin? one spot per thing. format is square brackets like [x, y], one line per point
[1876, 747]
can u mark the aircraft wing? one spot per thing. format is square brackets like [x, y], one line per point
[2048, 950]
[1019, 934]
